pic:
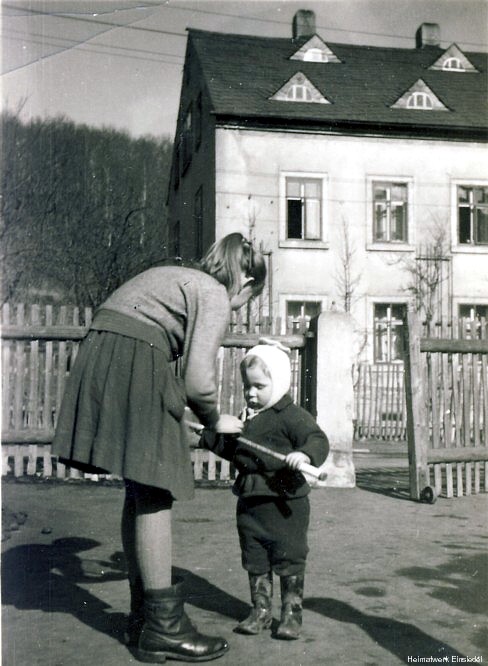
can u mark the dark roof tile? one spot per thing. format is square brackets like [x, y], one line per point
[242, 72]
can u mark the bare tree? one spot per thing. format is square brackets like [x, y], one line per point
[428, 275]
[347, 278]
[82, 209]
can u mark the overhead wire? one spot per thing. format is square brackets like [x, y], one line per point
[212, 13]
[76, 44]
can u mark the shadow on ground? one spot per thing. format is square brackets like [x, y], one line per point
[400, 638]
[48, 578]
[461, 582]
[387, 481]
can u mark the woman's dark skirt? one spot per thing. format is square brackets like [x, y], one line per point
[122, 413]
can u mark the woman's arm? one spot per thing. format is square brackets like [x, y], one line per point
[207, 323]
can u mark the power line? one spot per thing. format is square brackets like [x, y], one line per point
[129, 26]
[276, 21]
[209, 12]
[75, 43]
[88, 49]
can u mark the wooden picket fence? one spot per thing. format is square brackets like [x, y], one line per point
[446, 376]
[379, 401]
[39, 346]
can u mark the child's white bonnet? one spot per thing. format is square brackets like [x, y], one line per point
[275, 357]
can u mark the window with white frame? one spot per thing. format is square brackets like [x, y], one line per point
[390, 212]
[299, 311]
[472, 208]
[453, 64]
[388, 332]
[420, 100]
[315, 55]
[473, 317]
[470, 311]
[299, 92]
[303, 208]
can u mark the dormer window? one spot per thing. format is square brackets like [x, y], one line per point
[453, 63]
[298, 92]
[315, 50]
[299, 89]
[419, 97]
[419, 100]
[453, 60]
[315, 55]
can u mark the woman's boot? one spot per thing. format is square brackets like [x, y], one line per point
[291, 607]
[260, 616]
[167, 632]
[136, 616]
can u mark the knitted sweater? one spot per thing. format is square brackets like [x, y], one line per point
[190, 312]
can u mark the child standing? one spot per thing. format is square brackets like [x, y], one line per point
[122, 413]
[273, 508]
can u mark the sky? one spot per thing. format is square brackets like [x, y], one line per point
[118, 63]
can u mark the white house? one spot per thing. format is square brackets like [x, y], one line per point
[360, 169]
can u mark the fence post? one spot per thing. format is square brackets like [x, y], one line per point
[335, 395]
[417, 423]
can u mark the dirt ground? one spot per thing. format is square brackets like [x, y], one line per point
[389, 581]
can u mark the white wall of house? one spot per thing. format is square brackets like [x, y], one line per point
[250, 189]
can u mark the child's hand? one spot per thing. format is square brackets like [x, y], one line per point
[228, 425]
[296, 458]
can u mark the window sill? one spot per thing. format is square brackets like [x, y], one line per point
[469, 249]
[390, 247]
[304, 244]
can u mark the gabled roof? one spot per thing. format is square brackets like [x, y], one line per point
[243, 72]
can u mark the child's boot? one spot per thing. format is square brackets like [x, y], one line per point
[291, 607]
[260, 616]
[167, 632]
[136, 615]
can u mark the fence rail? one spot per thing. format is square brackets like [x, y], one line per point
[39, 345]
[447, 402]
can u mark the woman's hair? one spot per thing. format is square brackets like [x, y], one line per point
[229, 257]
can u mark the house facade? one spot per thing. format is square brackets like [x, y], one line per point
[362, 171]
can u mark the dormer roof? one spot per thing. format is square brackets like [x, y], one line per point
[419, 97]
[315, 50]
[299, 89]
[453, 60]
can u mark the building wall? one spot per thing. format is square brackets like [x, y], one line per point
[199, 173]
[249, 189]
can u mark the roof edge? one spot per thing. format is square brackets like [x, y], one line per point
[355, 128]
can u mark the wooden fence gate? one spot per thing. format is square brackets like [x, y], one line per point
[446, 380]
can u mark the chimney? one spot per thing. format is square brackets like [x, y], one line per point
[303, 24]
[428, 34]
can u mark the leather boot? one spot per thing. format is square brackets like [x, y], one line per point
[167, 632]
[291, 607]
[260, 616]
[136, 615]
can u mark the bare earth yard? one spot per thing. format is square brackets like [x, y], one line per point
[388, 578]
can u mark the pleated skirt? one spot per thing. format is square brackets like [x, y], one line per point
[122, 413]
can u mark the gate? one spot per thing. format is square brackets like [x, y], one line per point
[446, 381]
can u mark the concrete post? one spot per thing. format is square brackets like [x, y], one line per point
[334, 398]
